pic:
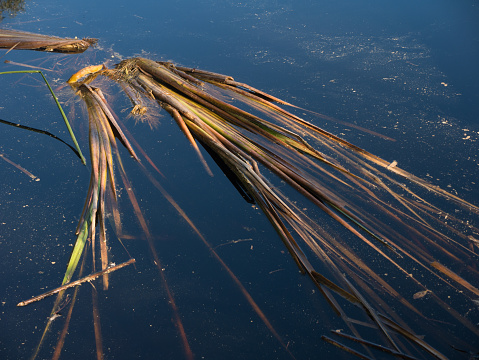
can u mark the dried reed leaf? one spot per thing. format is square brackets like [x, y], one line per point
[22, 40]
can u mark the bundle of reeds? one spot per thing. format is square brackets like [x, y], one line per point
[103, 128]
[337, 181]
[103, 132]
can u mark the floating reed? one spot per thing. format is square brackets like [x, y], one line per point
[22, 40]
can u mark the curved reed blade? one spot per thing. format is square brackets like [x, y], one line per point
[39, 131]
[72, 135]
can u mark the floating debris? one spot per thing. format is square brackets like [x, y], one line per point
[21, 40]
[420, 294]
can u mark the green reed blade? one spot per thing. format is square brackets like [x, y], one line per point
[58, 105]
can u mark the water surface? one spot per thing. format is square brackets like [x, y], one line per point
[406, 70]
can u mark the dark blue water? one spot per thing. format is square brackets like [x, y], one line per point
[407, 70]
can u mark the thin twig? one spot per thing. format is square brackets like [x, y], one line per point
[25, 171]
[76, 283]
[26, 65]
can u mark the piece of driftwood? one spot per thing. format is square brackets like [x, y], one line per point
[21, 40]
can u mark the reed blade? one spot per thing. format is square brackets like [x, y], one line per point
[65, 119]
